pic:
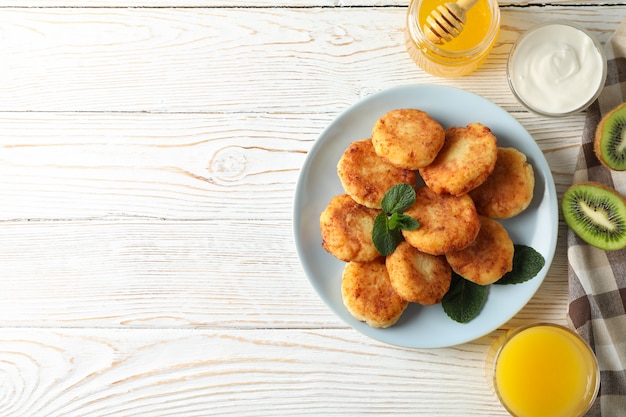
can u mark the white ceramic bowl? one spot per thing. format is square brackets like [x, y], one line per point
[556, 69]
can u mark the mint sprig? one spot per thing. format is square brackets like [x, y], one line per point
[464, 299]
[388, 225]
[398, 198]
[527, 263]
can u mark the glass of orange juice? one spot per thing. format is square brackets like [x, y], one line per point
[544, 370]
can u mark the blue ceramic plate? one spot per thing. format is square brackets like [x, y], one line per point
[419, 326]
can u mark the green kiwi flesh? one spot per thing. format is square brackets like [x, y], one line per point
[597, 214]
[611, 139]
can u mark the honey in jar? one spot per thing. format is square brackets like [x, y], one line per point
[465, 52]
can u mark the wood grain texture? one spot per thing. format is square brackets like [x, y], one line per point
[160, 372]
[246, 3]
[156, 273]
[174, 274]
[182, 166]
[225, 61]
[149, 153]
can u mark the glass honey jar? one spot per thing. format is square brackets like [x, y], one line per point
[464, 53]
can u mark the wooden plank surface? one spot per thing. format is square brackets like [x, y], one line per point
[226, 61]
[181, 166]
[174, 274]
[249, 373]
[148, 159]
[256, 3]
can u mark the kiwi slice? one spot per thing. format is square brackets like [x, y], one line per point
[610, 139]
[597, 214]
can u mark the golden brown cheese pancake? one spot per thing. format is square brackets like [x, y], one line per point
[467, 158]
[366, 177]
[408, 138]
[418, 277]
[346, 228]
[368, 295]
[509, 189]
[447, 223]
[487, 259]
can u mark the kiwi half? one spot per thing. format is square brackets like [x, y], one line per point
[597, 214]
[610, 139]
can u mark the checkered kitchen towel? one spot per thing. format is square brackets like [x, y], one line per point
[597, 279]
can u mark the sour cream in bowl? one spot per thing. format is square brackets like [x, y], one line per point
[556, 69]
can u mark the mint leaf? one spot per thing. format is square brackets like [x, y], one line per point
[385, 239]
[393, 221]
[464, 299]
[527, 263]
[406, 222]
[398, 198]
[402, 222]
[388, 225]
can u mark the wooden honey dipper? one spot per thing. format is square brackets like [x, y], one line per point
[446, 21]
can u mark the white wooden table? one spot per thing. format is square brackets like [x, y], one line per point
[149, 151]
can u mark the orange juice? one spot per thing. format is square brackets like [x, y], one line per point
[546, 370]
[464, 53]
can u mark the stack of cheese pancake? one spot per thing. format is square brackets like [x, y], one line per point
[468, 183]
